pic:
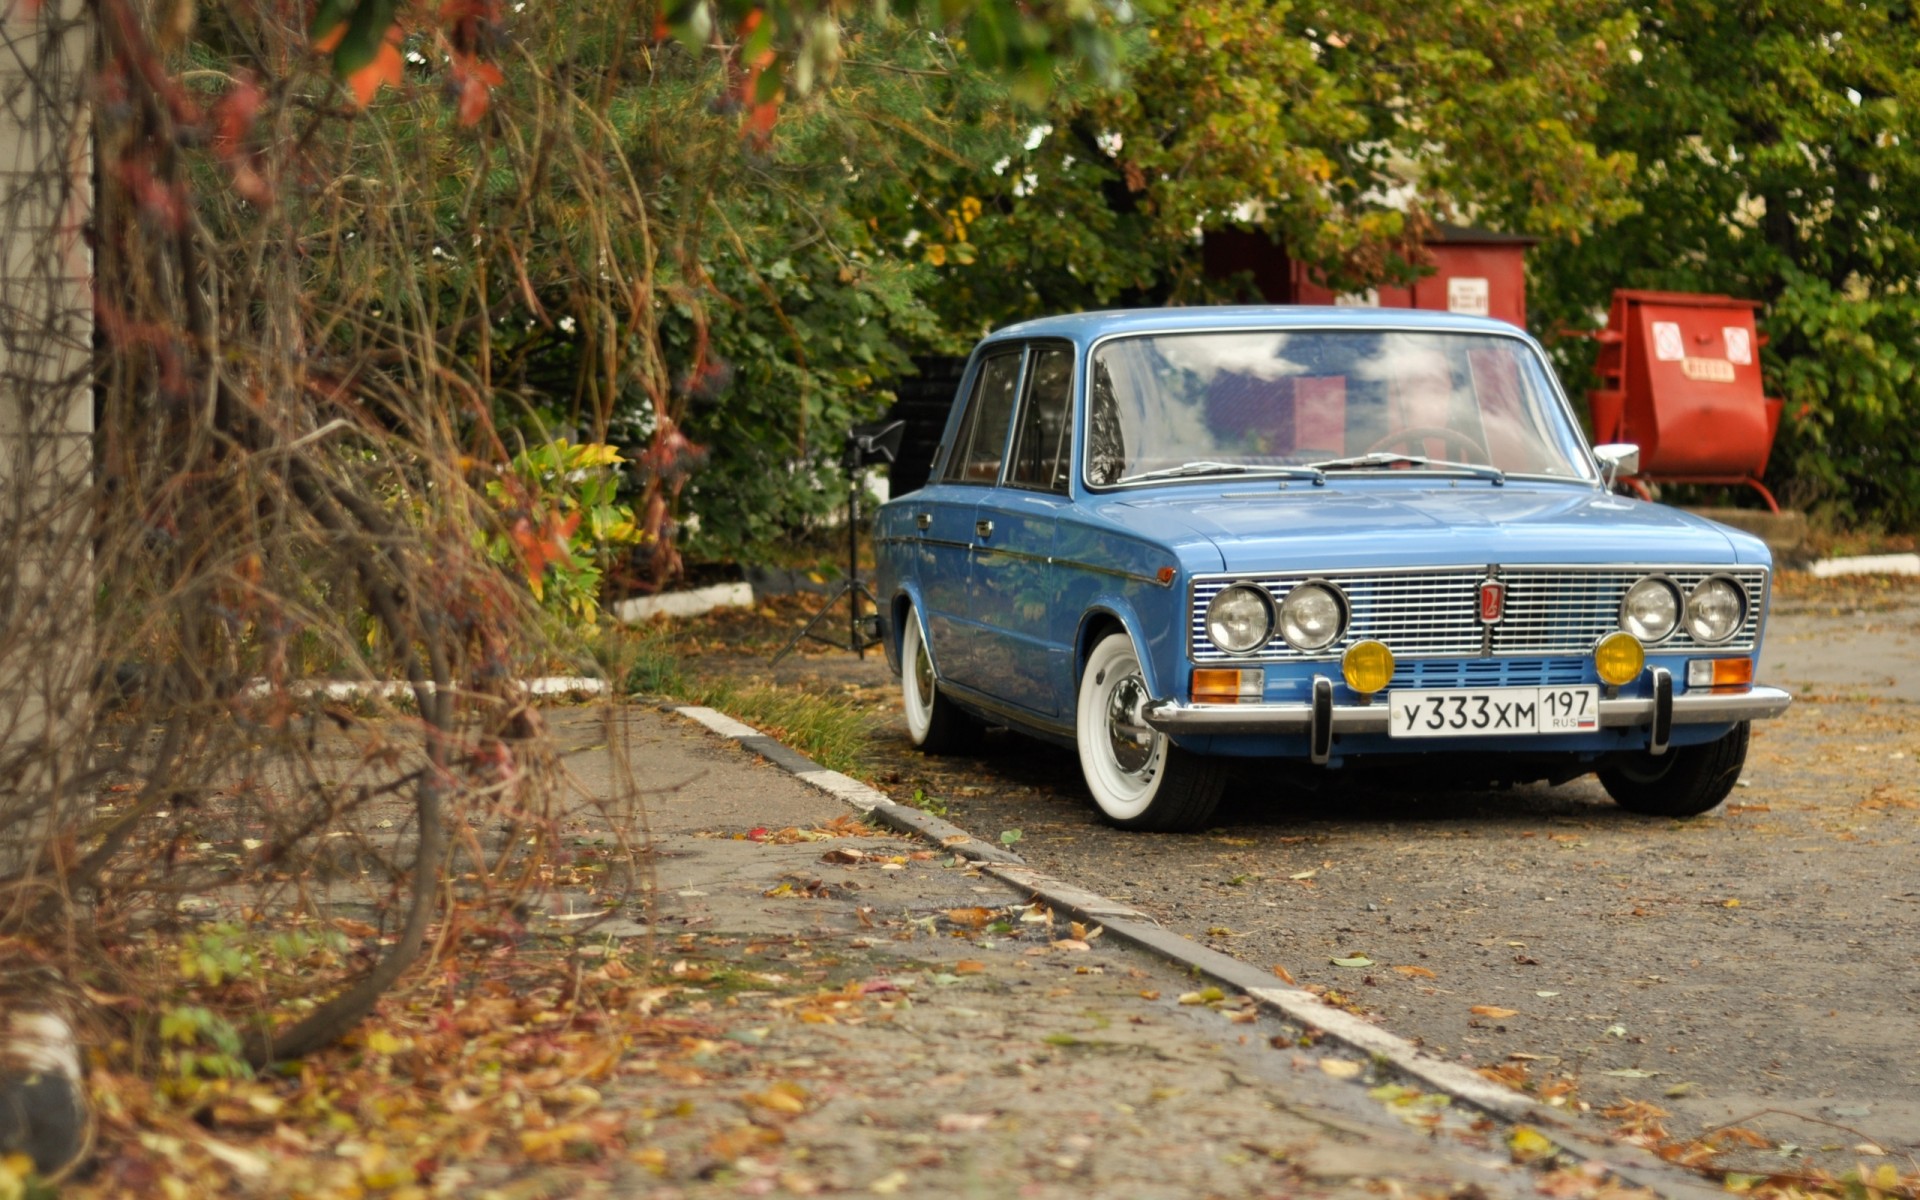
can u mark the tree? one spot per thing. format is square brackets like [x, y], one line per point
[1777, 162]
[1340, 130]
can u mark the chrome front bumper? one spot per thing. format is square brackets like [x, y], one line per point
[1321, 718]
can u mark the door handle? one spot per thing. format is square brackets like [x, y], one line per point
[923, 522]
[983, 529]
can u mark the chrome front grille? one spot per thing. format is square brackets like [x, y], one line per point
[1420, 614]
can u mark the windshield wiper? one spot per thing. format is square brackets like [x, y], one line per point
[1387, 458]
[1209, 467]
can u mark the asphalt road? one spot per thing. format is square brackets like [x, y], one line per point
[1757, 966]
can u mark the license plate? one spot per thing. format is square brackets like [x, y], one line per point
[1465, 712]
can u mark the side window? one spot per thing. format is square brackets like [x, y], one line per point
[1040, 458]
[982, 440]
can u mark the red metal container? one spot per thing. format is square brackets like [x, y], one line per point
[1680, 378]
[1475, 271]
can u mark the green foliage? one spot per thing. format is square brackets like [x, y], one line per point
[222, 953]
[561, 521]
[1341, 133]
[827, 728]
[201, 1042]
[1776, 150]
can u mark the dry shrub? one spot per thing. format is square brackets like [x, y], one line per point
[246, 453]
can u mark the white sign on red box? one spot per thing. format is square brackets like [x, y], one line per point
[1473, 297]
[1668, 345]
[1739, 343]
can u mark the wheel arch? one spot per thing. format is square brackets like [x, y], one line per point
[1097, 623]
[906, 606]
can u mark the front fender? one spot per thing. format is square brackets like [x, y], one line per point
[1161, 671]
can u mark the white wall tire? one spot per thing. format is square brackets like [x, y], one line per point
[1137, 777]
[933, 723]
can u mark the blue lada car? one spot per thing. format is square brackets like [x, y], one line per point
[1172, 537]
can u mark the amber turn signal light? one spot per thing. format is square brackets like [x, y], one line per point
[1720, 674]
[1216, 686]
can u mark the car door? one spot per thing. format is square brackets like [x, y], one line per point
[944, 515]
[1014, 584]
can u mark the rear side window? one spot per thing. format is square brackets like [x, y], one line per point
[982, 441]
[1040, 457]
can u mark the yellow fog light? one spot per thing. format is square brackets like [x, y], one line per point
[1619, 658]
[1368, 666]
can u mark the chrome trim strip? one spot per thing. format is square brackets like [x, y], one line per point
[1070, 563]
[1702, 708]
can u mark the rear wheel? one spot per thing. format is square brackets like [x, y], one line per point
[1684, 782]
[934, 724]
[1139, 779]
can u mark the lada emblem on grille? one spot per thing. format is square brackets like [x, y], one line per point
[1493, 601]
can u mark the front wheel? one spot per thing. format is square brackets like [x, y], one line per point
[1684, 782]
[1139, 779]
[933, 723]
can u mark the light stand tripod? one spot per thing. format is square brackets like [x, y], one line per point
[866, 445]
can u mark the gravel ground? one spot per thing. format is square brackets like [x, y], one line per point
[1758, 966]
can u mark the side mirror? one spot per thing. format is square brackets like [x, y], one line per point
[1617, 459]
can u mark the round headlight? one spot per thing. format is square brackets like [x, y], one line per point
[1618, 658]
[1312, 616]
[1716, 610]
[1651, 609]
[1240, 619]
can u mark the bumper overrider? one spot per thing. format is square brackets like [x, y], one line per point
[1320, 718]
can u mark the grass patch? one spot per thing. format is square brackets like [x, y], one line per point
[829, 729]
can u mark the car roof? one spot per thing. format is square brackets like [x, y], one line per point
[1086, 326]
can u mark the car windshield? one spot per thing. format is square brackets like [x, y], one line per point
[1182, 406]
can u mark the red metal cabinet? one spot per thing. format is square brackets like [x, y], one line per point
[1475, 271]
[1680, 378]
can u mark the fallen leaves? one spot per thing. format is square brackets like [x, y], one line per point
[1528, 1145]
[1494, 1011]
[783, 1097]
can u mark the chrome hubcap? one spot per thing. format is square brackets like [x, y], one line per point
[923, 675]
[1129, 738]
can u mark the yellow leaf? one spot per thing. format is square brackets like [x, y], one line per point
[1529, 1145]
[1340, 1068]
[1493, 1010]
[1416, 972]
[384, 1043]
[781, 1097]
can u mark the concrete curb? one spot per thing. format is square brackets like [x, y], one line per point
[870, 801]
[1572, 1133]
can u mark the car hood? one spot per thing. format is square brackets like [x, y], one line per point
[1379, 522]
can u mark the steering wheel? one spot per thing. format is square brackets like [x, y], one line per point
[1414, 438]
